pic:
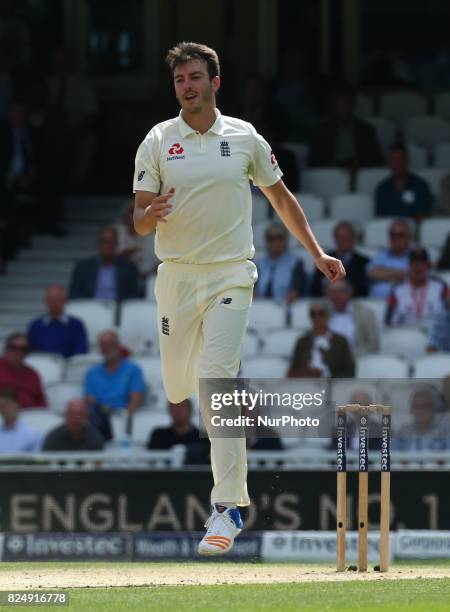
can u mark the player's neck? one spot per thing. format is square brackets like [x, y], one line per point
[203, 121]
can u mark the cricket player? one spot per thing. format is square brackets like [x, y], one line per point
[192, 186]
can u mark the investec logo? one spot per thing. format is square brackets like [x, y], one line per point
[175, 152]
[341, 444]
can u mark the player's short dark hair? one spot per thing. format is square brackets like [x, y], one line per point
[187, 51]
[10, 339]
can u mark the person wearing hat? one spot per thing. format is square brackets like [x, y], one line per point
[419, 299]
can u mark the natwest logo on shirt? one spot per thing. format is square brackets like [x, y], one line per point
[175, 152]
[176, 149]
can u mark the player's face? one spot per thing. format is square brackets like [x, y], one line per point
[193, 87]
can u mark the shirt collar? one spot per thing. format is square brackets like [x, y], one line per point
[62, 319]
[217, 127]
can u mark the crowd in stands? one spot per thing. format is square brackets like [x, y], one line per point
[47, 143]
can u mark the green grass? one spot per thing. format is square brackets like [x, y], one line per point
[412, 595]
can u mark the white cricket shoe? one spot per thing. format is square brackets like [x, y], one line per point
[223, 526]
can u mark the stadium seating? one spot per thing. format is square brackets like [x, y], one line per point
[143, 423]
[441, 155]
[417, 156]
[355, 207]
[78, 365]
[139, 327]
[427, 131]
[281, 342]
[97, 316]
[434, 232]
[265, 366]
[251, 346]
[41, 420]
[434, 177]
[377, 306]
[313, 206]
[151, 371]
[368, 179]
[442, 105]
[323, 230]
[432, 366]
[410, 343]
[300, 150]
[364, 106]
[49, 366]
[325, 182]
[381, 366]
[260, 207]
[376, 232]
[150, 288]
[266, 313]
[299, 313]
[401, 105]
[386, 131]
[343, 389]
[60, 393]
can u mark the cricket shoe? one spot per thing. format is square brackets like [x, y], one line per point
[223, 526]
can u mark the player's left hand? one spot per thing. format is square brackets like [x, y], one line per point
[331, 267]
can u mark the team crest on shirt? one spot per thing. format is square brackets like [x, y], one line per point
[165, 326]
[225, 149]
[176, 152]
[273, 159]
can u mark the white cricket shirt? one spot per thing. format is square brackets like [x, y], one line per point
[211, 212]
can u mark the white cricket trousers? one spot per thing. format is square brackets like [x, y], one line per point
[203, 312]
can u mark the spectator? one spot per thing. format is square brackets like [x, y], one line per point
[181, 431]
[116, 384]
[107, 275]
[15, 435]
[280, 273]
[19, 188]
[362, 398]
[427, 431]
[439, 339]
[351, 319]
[77, 434]
[444, 259]
[403, 194]
[321, 352]
[139, 249]
[56, 331]
[390, 265]
[443, 207]
[16, 375]
[354, 263]
[344, 139]
[420, 298]
[73, 95]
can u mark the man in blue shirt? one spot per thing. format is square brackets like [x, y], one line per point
[389, 266]
[56, 331]
[403, 194]
[280, 273]
[116, 383]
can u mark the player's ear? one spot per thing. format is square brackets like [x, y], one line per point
[215, 83]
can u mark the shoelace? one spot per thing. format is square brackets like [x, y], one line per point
[217, 516]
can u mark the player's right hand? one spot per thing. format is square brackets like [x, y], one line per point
[160, 207]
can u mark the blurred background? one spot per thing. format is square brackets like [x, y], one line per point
[354, 98]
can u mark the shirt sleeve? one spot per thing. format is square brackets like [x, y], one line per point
[264, 170]
[378, 259]
[89, 384]
[146, 167]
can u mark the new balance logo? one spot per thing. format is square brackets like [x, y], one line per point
[226, 300]
[141, 175]
[225, 149]
[165, 326]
